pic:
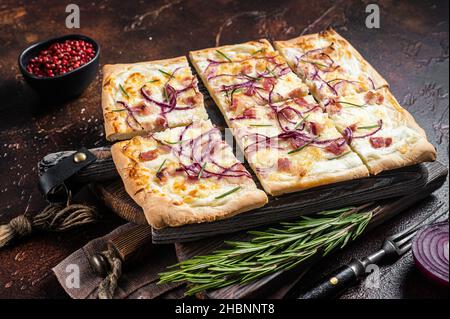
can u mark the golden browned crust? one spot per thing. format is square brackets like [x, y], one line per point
[411, 122]
[422, 151]
[162, 212]
[276, 188]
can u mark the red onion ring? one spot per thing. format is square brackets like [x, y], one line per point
[430, 250]
[201, 149]
[130, 113]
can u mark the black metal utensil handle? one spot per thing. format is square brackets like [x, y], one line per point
[336, 283]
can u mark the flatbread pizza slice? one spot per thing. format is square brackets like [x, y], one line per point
[147, 97]
[185, 175]
[330, 65]
[384, 134]
[293, 145]
[242, 75]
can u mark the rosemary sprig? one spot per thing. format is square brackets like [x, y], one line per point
[299, 148]
[258, 51]
[201, 171]
[261, 125]
[228, 193]
[173, 143]
[223, 55]
[315, 63]
[368, 127]
[165, 94]
[123, 90]
[339, 156]
[301, 121]
[271, 250]
[161, 166]
[271, 72]
[170, 75]
[230, 96]
[352, 104]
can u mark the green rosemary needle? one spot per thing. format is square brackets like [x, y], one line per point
[223, 55]
[173, 143]
[229, 192]
[161, 166]
[258, 51]
[123, 90]
[316, 63]
[352, 104]
[339, 156]
[368, 127]
[301, 121]
[271, 250]
[170, 75]
[299, 148]
[271, 72]
[201, 171]
[261, 125]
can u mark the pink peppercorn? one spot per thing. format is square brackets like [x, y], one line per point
[61, 58]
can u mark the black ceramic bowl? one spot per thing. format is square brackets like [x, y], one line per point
[64, 86]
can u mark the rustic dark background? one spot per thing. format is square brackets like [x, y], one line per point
[410, 49]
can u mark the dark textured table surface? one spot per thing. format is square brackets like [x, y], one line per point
[410, 49]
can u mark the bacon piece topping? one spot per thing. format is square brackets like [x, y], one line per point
[149, 155]
[374, 98]
[379, 142]
[284, 164]
[335, 148]
[268, 83]
[296, 93]
[315, 128]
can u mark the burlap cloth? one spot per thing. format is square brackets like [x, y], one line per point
[140, 281]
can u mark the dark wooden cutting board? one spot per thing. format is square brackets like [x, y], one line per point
[386, 185]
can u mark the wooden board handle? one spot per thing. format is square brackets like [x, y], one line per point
[131, 246]
[131, 243]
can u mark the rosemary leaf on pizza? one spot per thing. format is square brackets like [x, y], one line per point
[330, 65]
[149, 96]
[383, 133]
[185, 175]
[292, 145]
